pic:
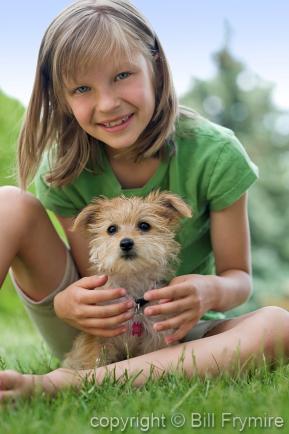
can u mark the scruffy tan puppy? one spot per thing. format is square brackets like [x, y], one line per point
[132, 240]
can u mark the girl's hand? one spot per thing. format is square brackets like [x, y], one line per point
[84, 307]
[13, 385]
[186, 300]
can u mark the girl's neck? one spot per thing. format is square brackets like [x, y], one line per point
[133, 175]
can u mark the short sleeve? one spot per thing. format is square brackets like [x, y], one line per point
[55, 199]
[232, 175]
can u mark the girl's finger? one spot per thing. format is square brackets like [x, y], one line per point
[165, 300]
[106, 333]
[91, 282]
[172, 307]
[176, 321]
[96, 296]
[106, 311]
[175, 291]
[107, 322]
[179, 334]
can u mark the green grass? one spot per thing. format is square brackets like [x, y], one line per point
[260, 393]
[166, 401]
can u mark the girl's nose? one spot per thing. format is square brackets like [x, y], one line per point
[107, 100]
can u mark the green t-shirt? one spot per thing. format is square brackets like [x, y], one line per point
[210, 170]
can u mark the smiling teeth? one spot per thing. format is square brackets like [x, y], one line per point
[115, 123]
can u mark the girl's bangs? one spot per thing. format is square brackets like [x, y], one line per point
[95, 43]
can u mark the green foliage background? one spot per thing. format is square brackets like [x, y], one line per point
[242, 101]
[11, 115]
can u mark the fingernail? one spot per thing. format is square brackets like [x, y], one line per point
[122, 291]
[148, 311]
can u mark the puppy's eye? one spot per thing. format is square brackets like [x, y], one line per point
[143, 226]
[112, 229]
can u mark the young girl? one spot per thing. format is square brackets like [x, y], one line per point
[103, 120]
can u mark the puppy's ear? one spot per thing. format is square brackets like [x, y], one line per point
[88, 215]
[174, 205]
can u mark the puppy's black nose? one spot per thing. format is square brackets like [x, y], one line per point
[126, 244]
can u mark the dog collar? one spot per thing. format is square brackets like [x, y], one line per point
[137, 326]
[140, 302]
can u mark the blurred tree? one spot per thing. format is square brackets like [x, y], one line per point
[239, 99]
[11, 114]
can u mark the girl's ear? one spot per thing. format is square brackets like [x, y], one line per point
[173, 204]
[88, 215]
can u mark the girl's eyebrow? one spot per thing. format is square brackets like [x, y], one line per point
[125, 64]
[115, 68]
[70, 84]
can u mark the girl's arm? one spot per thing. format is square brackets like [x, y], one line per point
[188, 297]
[231, 245]
[78, 244]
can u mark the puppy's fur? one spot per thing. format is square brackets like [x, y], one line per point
[132, 240]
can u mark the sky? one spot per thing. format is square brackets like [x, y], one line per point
[190, 32]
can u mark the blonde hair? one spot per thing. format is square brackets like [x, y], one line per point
[86, 30]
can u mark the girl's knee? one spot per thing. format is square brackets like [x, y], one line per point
[21, 214]
[276, 320]
[275, 315]
[9, 194]
[18, 202]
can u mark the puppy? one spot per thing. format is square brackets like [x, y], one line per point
[132, 240]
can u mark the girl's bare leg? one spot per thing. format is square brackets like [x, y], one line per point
[29, 244]
[258, 334]
[264, 332]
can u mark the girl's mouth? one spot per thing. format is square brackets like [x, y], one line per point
[116, 126]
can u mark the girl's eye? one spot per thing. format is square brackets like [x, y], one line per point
[82, 89]
[144, 226]
[112, 229]
[122, 75]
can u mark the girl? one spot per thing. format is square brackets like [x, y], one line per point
[103, 120]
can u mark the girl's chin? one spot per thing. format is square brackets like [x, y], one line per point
[117, 148]
[113, 151]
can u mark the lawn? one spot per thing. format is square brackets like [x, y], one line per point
[256, 402]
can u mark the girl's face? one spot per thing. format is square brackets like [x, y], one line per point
[113, 102]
